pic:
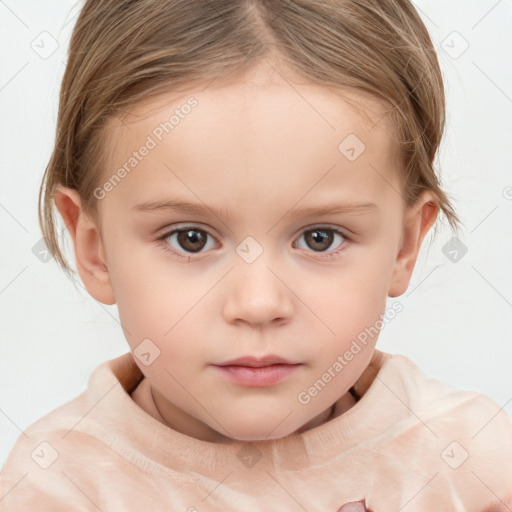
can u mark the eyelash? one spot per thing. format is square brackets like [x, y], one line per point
[162, 240]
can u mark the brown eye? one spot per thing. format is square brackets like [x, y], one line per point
[192, 240]
[187, 240]
[321, 239]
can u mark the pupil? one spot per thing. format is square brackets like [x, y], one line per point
[189, 240]
[322, 237]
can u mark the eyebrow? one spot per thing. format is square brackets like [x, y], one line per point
[163, 206]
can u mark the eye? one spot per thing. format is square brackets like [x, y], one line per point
[319, 239]
[193, 240]
[190, 239]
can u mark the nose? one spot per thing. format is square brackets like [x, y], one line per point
[257, 295]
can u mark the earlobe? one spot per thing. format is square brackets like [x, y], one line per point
[418, 221]
[88, 246]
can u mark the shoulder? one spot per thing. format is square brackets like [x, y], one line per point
[34, 475]
[64, 454]
[460, 439]
[437, 400]
[474, 450]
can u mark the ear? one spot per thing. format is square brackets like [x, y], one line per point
[419, 218]
[89, 251]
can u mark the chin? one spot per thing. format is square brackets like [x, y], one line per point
[256, 436]
[264, 432]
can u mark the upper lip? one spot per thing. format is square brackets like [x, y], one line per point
[256, 361]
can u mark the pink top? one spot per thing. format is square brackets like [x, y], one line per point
[410, 443]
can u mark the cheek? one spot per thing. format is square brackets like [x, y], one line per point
[351, 305]
[356, 294]
[160, 302]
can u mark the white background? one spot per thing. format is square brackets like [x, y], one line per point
[457, 317]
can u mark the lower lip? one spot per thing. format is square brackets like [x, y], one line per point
[258, 376]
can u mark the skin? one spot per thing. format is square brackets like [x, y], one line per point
[254, 147]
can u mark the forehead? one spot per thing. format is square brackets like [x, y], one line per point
[254, 139]
[254, 97]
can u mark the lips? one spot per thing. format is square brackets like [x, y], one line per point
[256, 362]
[257, 372]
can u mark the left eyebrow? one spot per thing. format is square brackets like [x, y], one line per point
[330, 209]
[197, 208]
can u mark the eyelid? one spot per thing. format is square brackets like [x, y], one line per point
[334, 227]
[166, 232]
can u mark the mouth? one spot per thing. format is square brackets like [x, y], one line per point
[257, 362]
[257, 373]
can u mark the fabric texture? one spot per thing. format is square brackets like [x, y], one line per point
[409, 443]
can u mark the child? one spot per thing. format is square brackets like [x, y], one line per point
[293, 143]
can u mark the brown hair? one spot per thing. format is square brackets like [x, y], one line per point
[125, 51]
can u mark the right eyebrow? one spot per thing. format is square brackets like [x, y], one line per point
[181, 206]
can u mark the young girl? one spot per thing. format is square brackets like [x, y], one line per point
[292, 142]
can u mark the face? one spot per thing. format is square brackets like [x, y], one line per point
[254, 223]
